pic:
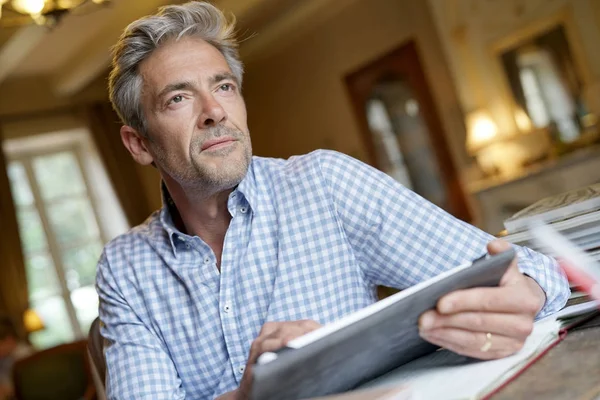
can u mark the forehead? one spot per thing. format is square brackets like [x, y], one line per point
[188, 58]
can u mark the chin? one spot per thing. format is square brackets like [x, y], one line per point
[224, 172]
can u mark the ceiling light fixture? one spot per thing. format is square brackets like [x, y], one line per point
[41, 12]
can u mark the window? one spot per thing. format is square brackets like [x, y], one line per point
[61, 233]
[537, 107]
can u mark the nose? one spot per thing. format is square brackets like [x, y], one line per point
[212, 113]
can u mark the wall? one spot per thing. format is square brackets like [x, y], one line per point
[474, 33]
[297, 99]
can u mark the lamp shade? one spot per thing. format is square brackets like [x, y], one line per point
[481, 130]
[32, 321]
[29, 6]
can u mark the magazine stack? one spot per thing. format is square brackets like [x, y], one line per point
[575, 214]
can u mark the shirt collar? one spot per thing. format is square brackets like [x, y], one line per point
[165, 217]
[247, 188]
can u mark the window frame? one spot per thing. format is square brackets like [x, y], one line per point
[78, 143]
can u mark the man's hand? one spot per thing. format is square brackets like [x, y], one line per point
[486, 323]
[273, 336]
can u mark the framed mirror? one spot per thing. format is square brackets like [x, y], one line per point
[546, 86]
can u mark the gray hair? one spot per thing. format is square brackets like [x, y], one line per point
[142, 37]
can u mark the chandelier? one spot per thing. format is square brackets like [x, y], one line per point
[41, 12]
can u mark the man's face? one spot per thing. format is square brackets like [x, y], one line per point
[196, 116]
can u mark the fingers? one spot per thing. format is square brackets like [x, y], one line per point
[272, 337]
[487, 322]
[275, 335]
[506, 299]
[474, 344]
[515, 326]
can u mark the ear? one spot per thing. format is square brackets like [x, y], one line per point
[136, 144]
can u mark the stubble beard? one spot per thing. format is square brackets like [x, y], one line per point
[203, 177]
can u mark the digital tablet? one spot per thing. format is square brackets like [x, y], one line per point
[368, 343]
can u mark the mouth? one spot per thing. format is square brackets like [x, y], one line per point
[218, 143]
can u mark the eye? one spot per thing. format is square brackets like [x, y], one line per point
[176, 99]
[226, 87]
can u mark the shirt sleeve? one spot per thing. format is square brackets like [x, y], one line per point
[138, 365]
[401, 239]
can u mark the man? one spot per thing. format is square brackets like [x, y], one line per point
[248, 252]
[11, 350]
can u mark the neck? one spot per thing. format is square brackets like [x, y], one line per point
[200, 214]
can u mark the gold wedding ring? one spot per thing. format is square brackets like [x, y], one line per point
[488, 343]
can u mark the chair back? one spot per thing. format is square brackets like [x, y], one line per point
[61, 372]
[96, 348]
[96, 355]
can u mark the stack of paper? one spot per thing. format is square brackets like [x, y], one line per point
[575, 215]
[385, 393]
[583, 231]
[554, 209]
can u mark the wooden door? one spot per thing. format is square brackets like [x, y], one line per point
[402, 130]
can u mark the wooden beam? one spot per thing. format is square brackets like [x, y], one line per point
[292, 25]
[87, 65]
[18, 47]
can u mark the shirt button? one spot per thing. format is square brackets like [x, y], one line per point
[206, 260]
[243, 209]
[242, 368]
[226, 309]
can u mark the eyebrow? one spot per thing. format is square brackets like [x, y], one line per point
[171, 87]
[223, 76]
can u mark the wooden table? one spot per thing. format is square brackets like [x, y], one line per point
[571, 370]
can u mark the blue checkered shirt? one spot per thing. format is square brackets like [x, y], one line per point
[311, 237]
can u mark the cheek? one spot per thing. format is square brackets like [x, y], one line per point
[238, 116]
[172, 132]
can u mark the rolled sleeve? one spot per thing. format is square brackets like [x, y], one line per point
[546, 272]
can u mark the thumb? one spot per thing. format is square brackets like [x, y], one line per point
[497, 246]
[512, 273]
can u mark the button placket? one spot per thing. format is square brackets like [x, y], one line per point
[227, 300]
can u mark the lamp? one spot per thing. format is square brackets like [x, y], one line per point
[32, 321]
[42, 12]
[32, 7]
[495, 153]
[481, 130]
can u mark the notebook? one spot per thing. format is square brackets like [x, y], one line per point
[366, 344]
[444, 375]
